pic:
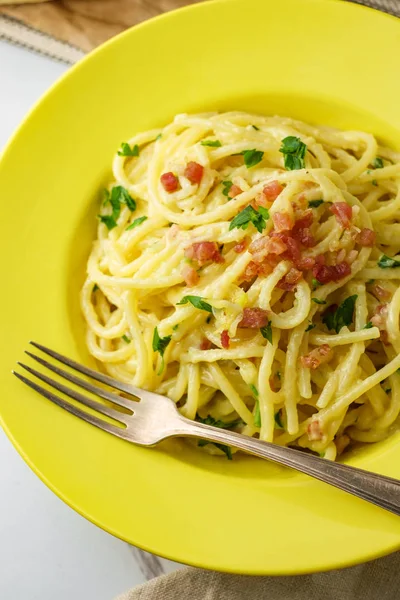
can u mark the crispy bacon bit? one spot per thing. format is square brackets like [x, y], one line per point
[250, 272]
[317, 357]
[384, 337]
[305, 263]
[290, 281]
[379, 318]
[225, 339]
[169, 181]
[202, 252]
[254, 318]
[194, 172]
[265, 245]
[283, 221]
[205, 344]
[234, 191]
[366, 238]
[314, 431]
[301, 229]
[380, 292]
[327, 273]
[343, 213]
[272, 190]
[306, 220]
[341, 443]
[241, 246]
[190, 275]
[293, 251]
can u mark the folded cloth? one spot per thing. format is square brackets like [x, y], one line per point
[377, 580]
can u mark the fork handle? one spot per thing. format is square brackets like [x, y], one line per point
[378, 489]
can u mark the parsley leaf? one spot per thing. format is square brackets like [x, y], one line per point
[159, 345]
[255, 127]
[95, 288]
[197, 302]
[253, 389]
[342, 316]
[278, 420]
[136, 222]
[257, 415]
[377, 163]
[315, 203]
[158, 137]
[212, 143]
[311, 326]
[209, 420]
[294, 151]
[315, 283]
[266, 332]
[175, 327]
[250, 215]
[375, 183]
[368, 325]
[227, 186]
[252, 157]
[387, 262]
[318, 301]
[126, 150]
[109, 221]
[225, 449]
[126, 339]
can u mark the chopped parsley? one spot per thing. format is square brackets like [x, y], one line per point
[368, 325]
[175, 327]
[375, 183]
[315, 283]
[250, 215]
[318, 301]
[294, 151]
[266, 332]
[136, 222]
[209, 420]
[252, 157]
[342, 316]
[95, 288]
[197, 302]
[255, 127]
[257, 414]
[311, 326]
[159, 345]
[377, 163]
[315, 203]
[225, 449]
[126, 339]
[158, 137]
[387, 262]
[212, 143]
[278, 420]
[126, 150]
[119, 195]
[227, 186]
[253, 389]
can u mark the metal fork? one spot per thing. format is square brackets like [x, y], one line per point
[154, 418]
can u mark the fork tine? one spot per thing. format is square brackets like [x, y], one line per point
[85, 384]
[119, 385]
[101, 408]
[93, 420]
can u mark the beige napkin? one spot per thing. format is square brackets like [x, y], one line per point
[378, 580]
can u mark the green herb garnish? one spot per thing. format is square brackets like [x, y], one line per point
[311, 326]
[126, 150]
[227, 186]
[252, 157]
[318, 301]
[95, 288]
[375, 183]
[159, 345]
[212, 143]
[175, 327]
[377, 163]
[126, 339]
[368, 325]
[342, 316]
[266, 332]
[257, 414]
[158, 137]
[225, 449]
[197, 302]
[294, 151]
[109, 221]
[253, 389]
[278, 420]
[315, 283]
[209, 420]
[250, 215]
[387, 262]
[136, 222]
[315, 203]
[119, 195]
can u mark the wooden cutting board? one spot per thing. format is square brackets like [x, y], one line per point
[87, 23]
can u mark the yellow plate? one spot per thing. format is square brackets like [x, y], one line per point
[325, 62]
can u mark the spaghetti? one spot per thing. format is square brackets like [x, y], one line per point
[245, 266]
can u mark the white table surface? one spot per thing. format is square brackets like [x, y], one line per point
[47, 551]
